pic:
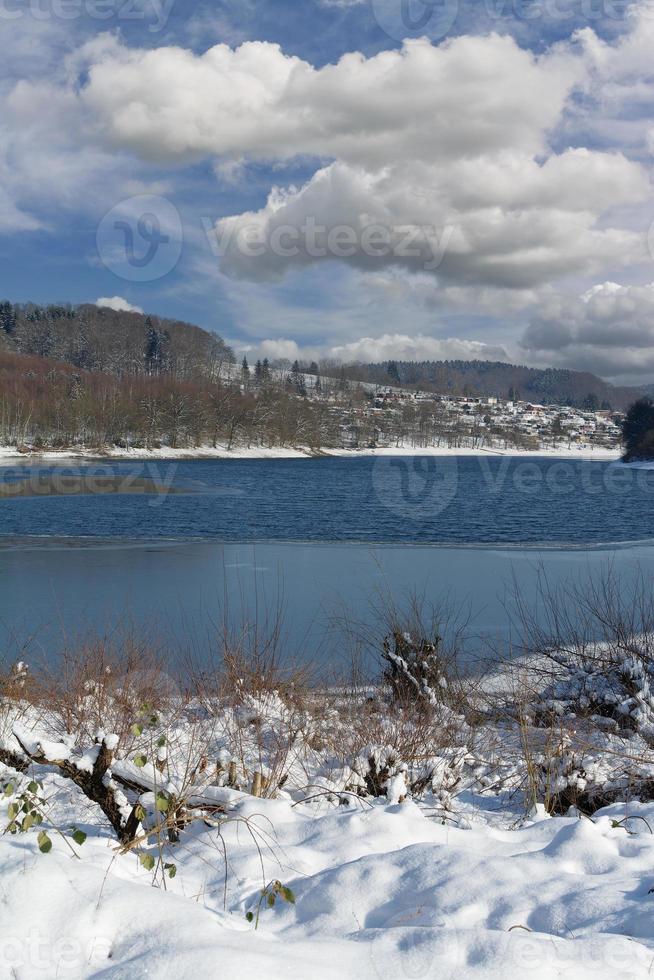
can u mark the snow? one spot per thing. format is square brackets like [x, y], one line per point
[454, 881]
[381, 892]
[386, 892]
[282, 452]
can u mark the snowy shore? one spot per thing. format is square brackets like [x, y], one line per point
[277, 452]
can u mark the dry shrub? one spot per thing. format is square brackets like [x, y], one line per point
[103, 686]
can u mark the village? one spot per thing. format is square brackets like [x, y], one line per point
[380, 417]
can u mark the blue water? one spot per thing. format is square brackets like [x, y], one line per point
[419, 500]
[319, 539]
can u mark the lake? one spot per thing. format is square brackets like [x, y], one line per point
[86, 545]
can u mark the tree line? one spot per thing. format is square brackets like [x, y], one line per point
[93, 338]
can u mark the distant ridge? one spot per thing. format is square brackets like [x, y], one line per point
[546, 386]
[92, 338]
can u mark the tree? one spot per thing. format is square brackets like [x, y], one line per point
[245, 372]
[638, 430]
[393, 372]
[296, 380]
[7, 318]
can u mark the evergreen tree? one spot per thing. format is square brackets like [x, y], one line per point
[7, 317]
[393, 372]
[638, 430]
[245, 371]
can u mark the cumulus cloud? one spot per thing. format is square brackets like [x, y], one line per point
[118, 304]
[402, 347]
[609, 330]
[504, 221]
[424, 102]
[274, 349]
[440, 154]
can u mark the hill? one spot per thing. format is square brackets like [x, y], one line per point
[549, 386]
[92, 338]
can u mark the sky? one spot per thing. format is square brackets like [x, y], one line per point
[353, 179]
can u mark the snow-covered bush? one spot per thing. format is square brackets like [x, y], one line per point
[415, 671]
[614, 687]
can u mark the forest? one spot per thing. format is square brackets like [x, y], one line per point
[547, 386]
[94, 378]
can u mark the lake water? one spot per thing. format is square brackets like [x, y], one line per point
[318, 537]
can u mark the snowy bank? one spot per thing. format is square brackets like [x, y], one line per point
[221, 452]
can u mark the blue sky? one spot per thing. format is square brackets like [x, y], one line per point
[505, 153]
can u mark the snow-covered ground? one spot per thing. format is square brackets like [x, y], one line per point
[208, 452]
[463, 879]
[381, 892]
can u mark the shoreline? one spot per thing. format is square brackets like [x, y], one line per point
[582, 452]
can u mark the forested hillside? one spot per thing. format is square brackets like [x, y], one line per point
[549, 386]
[95, 338]
[95, 378]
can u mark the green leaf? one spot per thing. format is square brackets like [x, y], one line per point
[249, 916]
[163, 803]
[12, 810]
[140, 760]
[288, 895]
[171, 869]
[45, 844]
[161, 741]
[79, 836]
[147, 861]
[139, 813]
[27, 822]
[9, 789]
[137, 729]
[271, 900]
[33, 787]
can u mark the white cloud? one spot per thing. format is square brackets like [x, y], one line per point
[118, 304]
[609, 330]
[502, 221]
[273, 349]
[402, 347]
[469, 96]
[446, 148]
